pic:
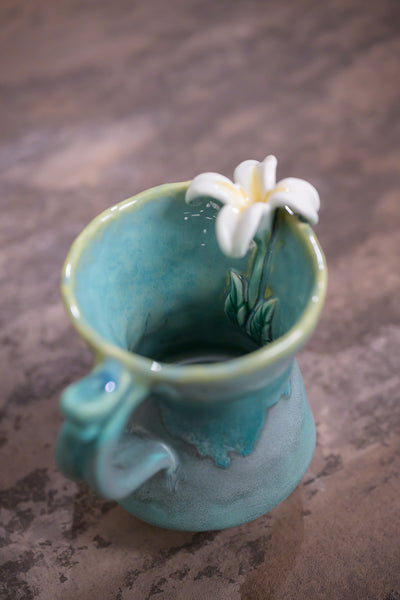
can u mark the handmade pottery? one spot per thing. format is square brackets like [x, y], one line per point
[195, 415]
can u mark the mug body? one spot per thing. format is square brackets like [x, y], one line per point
[187, 420]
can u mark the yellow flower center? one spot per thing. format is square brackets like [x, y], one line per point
[255, 188]
[278, 188]
[242, 200]
[256, 191]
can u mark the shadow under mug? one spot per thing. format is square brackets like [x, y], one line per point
[185, 420]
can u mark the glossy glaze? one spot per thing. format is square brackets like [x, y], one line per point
[209, 445]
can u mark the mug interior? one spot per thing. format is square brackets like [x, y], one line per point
[151, 279]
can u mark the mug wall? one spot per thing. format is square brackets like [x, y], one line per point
[149, 264]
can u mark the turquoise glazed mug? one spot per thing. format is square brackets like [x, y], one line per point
[188, 420]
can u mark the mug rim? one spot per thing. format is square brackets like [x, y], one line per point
[282, 349]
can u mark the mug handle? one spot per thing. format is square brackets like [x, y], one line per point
[94, 443]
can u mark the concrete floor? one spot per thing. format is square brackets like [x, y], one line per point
[103, 99]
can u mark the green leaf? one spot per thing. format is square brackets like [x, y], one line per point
[259, 325]
[236, 300]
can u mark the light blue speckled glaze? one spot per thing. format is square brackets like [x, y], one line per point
[179, 444]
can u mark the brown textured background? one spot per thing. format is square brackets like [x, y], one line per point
[100, 100]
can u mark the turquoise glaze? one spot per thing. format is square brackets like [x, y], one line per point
[187, 419]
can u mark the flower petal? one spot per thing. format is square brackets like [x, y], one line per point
[243, 175]
[217, 186]
[235, 230]
[267, 173]
[299, 195]
[225, 227]
[250, 221]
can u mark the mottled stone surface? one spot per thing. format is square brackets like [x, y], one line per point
[103, 99]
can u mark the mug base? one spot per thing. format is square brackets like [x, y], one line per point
[206, 497]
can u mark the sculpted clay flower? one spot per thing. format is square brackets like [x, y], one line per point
[251, 199]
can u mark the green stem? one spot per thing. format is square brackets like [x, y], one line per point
[257, 270]
[265, 242]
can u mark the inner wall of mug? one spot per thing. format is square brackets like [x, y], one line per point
[153, 281]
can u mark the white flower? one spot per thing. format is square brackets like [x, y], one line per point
[251, 199]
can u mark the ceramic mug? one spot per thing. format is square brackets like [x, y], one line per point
[187, 420]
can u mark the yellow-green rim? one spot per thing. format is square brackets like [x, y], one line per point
[147, 369]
